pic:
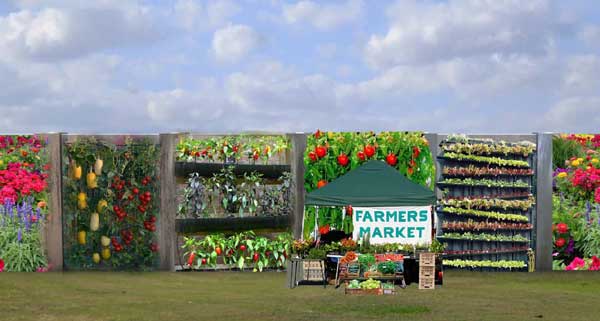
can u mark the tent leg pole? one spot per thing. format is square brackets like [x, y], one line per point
[303, 216]
[316, 223]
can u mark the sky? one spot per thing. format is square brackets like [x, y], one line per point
[468, 66]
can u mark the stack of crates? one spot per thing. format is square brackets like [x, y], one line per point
[427, 271]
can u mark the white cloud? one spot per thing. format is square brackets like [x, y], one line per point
[428, 31]
[323, 16]
[54, 34]
[590, 34]
[582, 76]
[574, 114]
[234, 42]
[192, 15]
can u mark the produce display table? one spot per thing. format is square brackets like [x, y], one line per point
[339, 279]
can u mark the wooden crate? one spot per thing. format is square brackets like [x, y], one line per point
[313, 270]
[349, 270]
[427, 283]
[427, 259]
[426, 271]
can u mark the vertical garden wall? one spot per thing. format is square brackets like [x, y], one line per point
[487, 211]
[110, 203]
[330, 155]
[231, 189]
[576, 202]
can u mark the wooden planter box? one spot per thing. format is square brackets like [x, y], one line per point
[378, 291]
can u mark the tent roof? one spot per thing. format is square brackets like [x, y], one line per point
[373, 184]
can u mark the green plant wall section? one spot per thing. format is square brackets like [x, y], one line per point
[110, 204]
[330, 155]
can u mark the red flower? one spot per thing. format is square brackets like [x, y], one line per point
[1, 265]
[562, 228]
[560, 242]
[324, 229]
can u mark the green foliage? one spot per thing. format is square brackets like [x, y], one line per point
[563, 150]
[366, 261]
[436, 246]
[503, 264]
[487, 160]
[225, 194]
[486, 214]
[317, 253]
[240, 250]
[248, 148]
[388, 267]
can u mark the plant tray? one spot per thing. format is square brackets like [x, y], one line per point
[378, 291]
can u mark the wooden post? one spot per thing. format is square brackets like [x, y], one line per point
[167, 236]
[543, 227]
[53, 229]
[297, 164]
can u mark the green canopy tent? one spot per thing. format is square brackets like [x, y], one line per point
[374, 184]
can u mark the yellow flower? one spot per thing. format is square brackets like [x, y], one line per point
[330, 135]
[575, 163]
[580, 159]
[595, 161]
[562, 174]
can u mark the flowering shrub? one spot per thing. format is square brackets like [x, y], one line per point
[22, 168]
[578, 263]
[576, 208]
[20, 239]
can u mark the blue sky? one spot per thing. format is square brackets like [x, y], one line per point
[227, 66]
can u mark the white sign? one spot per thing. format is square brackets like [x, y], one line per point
[406, 224]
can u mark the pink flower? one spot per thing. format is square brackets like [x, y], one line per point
[576, 264]
[1, 265]
[595, 264]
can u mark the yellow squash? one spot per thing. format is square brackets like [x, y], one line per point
[81, 238]
[91, 180]
[105, 241]
[77, 172]
[98, 166]
[96, 258]
[106, 253]
[94, 222]
[82, 201]
[102, 204]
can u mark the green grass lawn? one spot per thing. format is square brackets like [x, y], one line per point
[263, 296]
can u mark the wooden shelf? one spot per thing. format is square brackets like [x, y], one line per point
[232, 224]
[183, 169]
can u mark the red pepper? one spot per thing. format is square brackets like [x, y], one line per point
[191, 258]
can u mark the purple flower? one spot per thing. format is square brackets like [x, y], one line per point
[571, 246]
[588, 210]
[20, 235]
